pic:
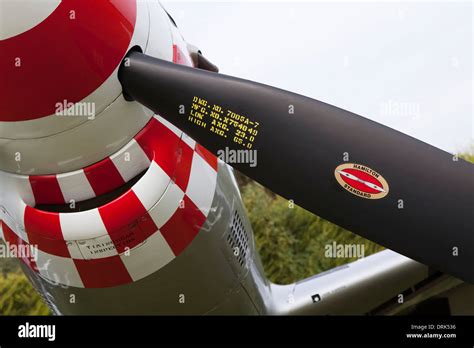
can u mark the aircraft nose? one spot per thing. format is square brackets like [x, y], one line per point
[56, 52]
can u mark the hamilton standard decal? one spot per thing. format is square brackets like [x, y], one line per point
[361, 181]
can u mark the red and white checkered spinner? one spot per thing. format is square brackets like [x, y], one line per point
[96, 185]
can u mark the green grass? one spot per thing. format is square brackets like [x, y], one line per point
[291, 241]
[17, 297]
[468, 156]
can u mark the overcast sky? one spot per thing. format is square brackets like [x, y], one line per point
[407, 64]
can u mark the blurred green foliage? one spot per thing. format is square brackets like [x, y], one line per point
[291, 241]
[468, 156]
[17, 295]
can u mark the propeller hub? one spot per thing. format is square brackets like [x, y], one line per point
[57, 52]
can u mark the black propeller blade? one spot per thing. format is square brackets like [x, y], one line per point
[377, 182]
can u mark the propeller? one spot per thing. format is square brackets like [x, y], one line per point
[363, 176]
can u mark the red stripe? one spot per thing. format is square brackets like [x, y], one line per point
[127, 221]
[363, 176]
[183, 226]
[13, 239]
[44, 231]
[183, 170]
[46, 189]
[103, 176]
[72, 57]
[179, 57]
[147, 226]
[207, 156]
[160, 144]
[156, 140]
[101, 273]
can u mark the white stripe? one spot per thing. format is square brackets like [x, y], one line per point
[19, 228]
[167, 205]
[15, 194]
[202, 183]
[75, 186]
[151, 186]
[14, 186]
[74, 250]
[148, 257]
[82, 225]
[97, 248]
[130, 160]
[24, 190]
[20, 16]
[58, 269]
[189, 141]
[15, 219]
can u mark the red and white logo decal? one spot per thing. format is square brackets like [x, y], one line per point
[361, 181]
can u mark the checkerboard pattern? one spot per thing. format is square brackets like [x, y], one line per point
[134, 235]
